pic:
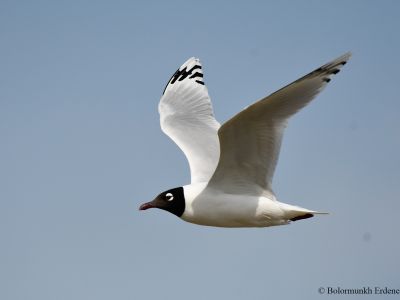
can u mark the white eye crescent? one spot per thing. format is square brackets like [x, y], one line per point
[169, 196]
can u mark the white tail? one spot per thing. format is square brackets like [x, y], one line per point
[295, 213]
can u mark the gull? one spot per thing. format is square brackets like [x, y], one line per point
[232, 166]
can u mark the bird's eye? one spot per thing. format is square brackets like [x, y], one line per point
[169, 196]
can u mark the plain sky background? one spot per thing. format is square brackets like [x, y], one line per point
[81, 148]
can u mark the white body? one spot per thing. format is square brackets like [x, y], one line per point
[205, 206]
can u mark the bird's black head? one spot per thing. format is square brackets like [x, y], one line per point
[172, 200]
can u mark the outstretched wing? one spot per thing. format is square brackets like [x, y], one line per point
[186, 116]
[251, 140]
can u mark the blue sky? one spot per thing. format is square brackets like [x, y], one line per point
[81, 148]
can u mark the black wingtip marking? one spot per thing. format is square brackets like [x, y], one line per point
[335, 71]
[197, 74]
[326, 79]
[201, 82]
[343, 63]
[180, 75]
[305, 216]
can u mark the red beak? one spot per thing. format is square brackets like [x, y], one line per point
[145, 206]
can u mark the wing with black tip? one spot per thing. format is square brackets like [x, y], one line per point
[250, 141]
[187, 117]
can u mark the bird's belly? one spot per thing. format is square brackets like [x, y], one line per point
[234, 211]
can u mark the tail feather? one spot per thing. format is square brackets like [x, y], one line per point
[295, 213]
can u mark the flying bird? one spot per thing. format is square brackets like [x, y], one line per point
[231, 166]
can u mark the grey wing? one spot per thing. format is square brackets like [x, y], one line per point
[250, 141]
[187, 117]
